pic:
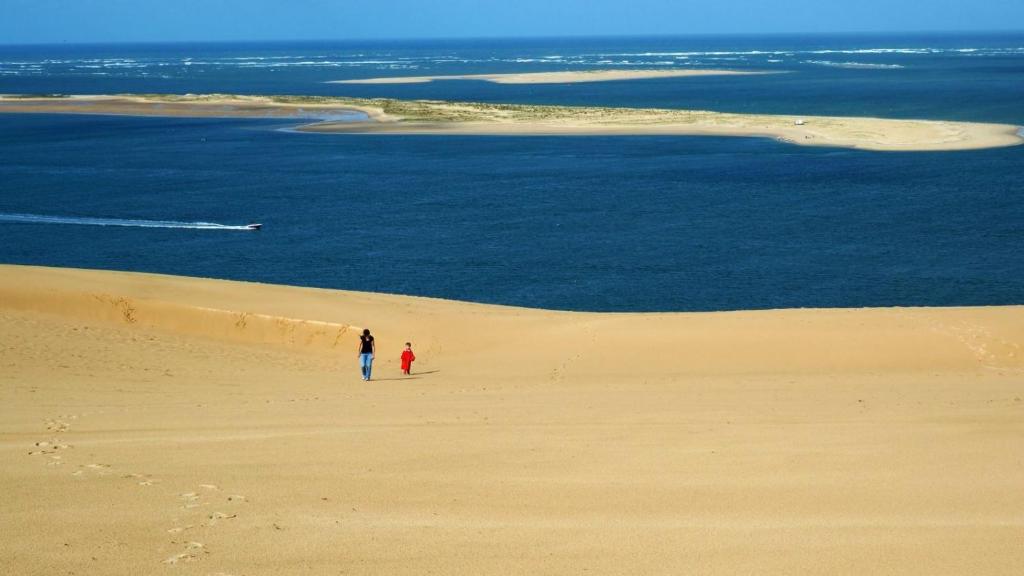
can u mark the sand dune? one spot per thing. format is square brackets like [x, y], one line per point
[155, 424]
[385, 116]
[565, 77]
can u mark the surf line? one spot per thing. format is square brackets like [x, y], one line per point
[90, 221]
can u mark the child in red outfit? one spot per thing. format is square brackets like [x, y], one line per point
[407, 358]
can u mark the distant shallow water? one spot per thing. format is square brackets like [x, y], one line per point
[939, 76]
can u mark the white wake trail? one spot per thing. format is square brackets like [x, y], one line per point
[89, 221]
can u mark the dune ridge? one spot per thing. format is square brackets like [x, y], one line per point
[318, 320]
[203, 321]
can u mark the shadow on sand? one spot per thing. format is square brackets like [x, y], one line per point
[414, 376]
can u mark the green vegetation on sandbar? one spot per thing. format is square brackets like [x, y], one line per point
[445, 111]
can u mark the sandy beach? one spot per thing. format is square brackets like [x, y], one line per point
[568, 77]
[465, 118]
[166, 425]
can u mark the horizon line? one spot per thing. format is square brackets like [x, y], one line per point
[513, 38]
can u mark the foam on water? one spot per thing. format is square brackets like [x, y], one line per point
[389, 60]
[855, 65]
[90, 221]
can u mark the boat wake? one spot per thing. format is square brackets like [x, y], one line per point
[87, 221]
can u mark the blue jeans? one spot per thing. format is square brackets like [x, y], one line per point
[366, 363]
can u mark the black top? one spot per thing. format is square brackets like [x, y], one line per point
[367, 345]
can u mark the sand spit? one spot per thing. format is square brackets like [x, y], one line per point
[154, 424]
[566, 77]
[384, 116]
[188, 106]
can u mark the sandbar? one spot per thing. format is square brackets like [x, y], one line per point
[564, 77]
[157, 424]
[389, 116]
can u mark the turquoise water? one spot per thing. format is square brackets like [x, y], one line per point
[584, 223]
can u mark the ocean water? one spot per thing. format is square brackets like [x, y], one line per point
[580, 223]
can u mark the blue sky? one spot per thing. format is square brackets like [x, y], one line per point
[33, 21]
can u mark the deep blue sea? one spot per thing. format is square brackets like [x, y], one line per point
[580, 223]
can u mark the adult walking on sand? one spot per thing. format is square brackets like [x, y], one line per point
[367, 348]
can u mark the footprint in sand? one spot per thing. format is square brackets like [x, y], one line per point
[191, 500]
[57, 426]
[59, 423]
[43, 448]
[191, 553]
[143, 479]
[194, 550]
[49, 448]
[212, 519]
[99, 469]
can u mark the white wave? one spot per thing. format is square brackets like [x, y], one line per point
[273, 57]
[878, 51]
[310, 63]
[89, 221]
[924, 50]
[864, 65]
[687, 54]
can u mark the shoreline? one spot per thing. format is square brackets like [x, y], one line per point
[423, 117]
[564, 77]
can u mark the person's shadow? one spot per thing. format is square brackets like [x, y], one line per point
[415, 376]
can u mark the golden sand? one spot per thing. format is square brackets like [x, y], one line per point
[567, 77]
[165, 425]
[466, 118]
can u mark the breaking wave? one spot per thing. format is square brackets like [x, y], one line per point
[862, 65]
